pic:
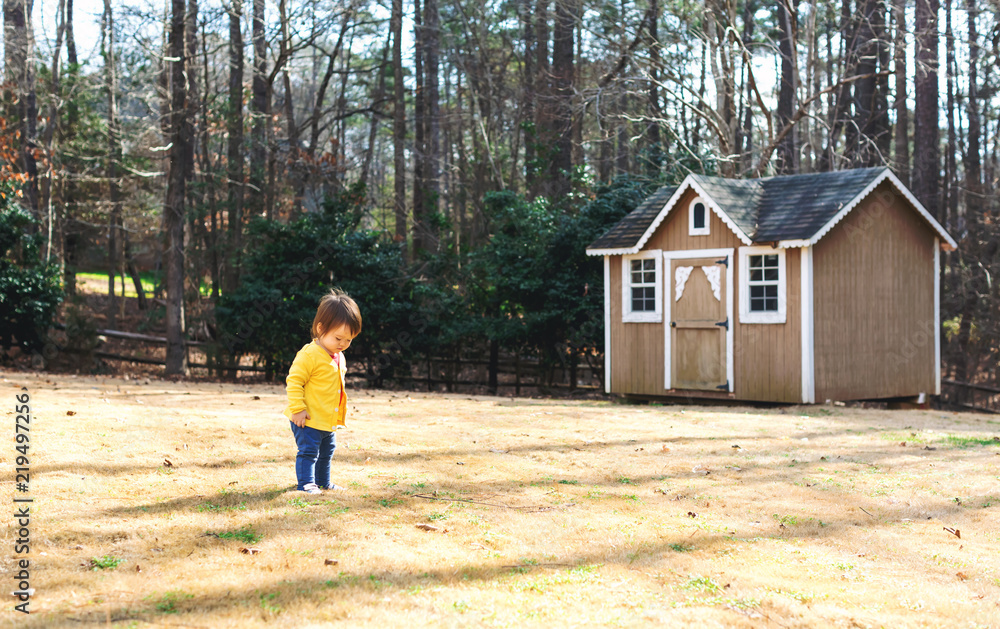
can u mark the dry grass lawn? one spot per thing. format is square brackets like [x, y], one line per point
[544, 513]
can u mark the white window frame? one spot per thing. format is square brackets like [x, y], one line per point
[699, 231]
[656, 316]
[746, 316]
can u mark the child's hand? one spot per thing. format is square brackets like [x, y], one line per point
[299, 419]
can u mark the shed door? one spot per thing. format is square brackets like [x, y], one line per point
[698, 324]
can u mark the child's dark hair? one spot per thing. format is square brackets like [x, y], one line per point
[336, 308]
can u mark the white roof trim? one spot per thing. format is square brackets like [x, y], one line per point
[667, 207]
[612, 252]
[792, 244]
[886, 175]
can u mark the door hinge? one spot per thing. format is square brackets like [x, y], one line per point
[723, 324]
[723, 387]
[724, 262]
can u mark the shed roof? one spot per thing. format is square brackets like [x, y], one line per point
[792, 210]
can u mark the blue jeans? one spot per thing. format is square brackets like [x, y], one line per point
[312, 464]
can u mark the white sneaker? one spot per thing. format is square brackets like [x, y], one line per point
[311, 488]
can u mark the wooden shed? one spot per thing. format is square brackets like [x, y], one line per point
[798, 289]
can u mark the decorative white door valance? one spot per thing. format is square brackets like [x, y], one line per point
[681, 276]
[714, 275]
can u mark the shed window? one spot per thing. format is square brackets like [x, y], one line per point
[643, 285]
[641, 301]
[763, 279]
[698, 218]
[762, 285]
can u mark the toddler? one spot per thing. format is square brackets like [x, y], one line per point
[317, 397]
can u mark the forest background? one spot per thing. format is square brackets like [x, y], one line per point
[448, 162]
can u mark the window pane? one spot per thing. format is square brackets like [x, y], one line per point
[771, 260]
[699, 215]
[637, 265]
[756, 275]
[644, 299]
[757, 292]
[756, 262]
[770, 291]
[770, 275]
[756, 305]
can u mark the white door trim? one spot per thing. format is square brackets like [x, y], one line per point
[668, 299]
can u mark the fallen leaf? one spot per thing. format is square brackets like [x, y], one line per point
[330, 562]
[957, 533]
[428, 527]
[256, 397]
[902, 444]
[137, 568]
[736, 447]
[665, 449]
[167, 463]
[250, 551]
[961, 576]
[692, 514]
[71, 413]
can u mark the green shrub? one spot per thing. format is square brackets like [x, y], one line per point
[29, 288]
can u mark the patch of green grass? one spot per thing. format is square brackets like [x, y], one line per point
[437, 516]
[389, 502]
[681, 548]
[569, 482]
[214, 508]
[267, 603]
[246, 535]
[785, 520]
[703, 584]
[964, 443]
[168, 602]
[625, 480]
[107, 562]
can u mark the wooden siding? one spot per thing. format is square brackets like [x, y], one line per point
[874, 303]
[636, 348]
[767, 357]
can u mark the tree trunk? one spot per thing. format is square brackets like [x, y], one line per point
[926, 176]
[234, 146]
[256, 203]
[432, 148]
[174, 209]
[398, 125]
[419, 137]
[113, 160]
[19, 51]
[901, 133]
[950, 205]
[563, 80]
[973, 160]
[655, 157]
[71, 57]
[788, 149]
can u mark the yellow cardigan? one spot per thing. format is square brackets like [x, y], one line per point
[316, 384]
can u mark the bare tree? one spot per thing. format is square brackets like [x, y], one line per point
[926, 171]
[174, 208]
[234, 146]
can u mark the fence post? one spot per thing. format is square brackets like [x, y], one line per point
[517, 373]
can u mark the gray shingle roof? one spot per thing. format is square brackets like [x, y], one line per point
[631, 228]
[790, 207]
